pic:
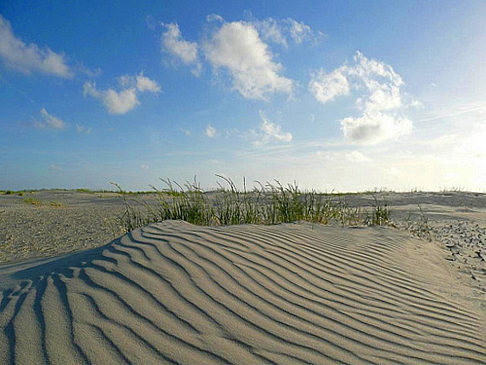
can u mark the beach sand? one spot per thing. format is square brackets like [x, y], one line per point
[296, 293]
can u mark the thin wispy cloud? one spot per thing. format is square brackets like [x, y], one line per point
[121, 102]
[82, 129]
[49, 121]
[237, 48]
[282, 31]
[449, 111]
[270, 132]
[28, 58]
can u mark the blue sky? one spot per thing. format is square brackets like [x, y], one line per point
[333, 95]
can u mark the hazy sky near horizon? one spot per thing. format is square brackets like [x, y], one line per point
[333, 95]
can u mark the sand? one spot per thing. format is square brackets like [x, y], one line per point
[172, 292]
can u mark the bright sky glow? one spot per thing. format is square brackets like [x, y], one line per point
[341, 96]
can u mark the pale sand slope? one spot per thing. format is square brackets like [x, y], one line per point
[297, 293]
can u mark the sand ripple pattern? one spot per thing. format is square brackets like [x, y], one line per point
[292, 294]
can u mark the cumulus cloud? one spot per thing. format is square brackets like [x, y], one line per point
[121, 102]
[145, 84]
[29, 57]
[116, 102]
[381, 101]
[210, 131]
[185, 51]
[237, 48]
[49, 121]
[270, 131]
[139, 82]
[327, 86]
[372, 128]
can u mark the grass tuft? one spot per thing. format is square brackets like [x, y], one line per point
[269, 203]
[36, 202]
[420, 228]
[380, 214]
[32, 201]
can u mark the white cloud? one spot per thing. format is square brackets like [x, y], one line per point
[271, 30]
[210, 131]
[299, 31]
[214, 18]
[270, 131]
[29, 57]
[49, 121]
[145, 167]
[116, 102]
[145, 84]
[173, 43]
[139, 82]
[375, 127]
[327, 86]
[238, 48]
[281, 31]
[380, 100]
[121, 102]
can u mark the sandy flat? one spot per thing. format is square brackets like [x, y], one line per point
[297, 293]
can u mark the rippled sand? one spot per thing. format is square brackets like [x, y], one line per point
[297, 293]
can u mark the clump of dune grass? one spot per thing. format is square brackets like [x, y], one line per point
[32, 201]
[84, 190]
[420, 228]
[55, 204]
[269, 203]
[379, 215]
[37, 202]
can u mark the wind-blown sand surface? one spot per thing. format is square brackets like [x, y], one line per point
[296, 293]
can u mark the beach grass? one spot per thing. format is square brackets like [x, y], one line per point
[37, 202]
[269, 203]
[33, 201]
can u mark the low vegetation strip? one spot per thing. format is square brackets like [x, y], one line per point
[267, 204]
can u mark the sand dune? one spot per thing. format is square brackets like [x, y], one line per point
[297, 293]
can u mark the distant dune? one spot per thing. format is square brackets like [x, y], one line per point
[289, 294]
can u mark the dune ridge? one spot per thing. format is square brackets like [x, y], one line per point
[172, 292]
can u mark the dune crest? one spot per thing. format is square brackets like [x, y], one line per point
[297, 293]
